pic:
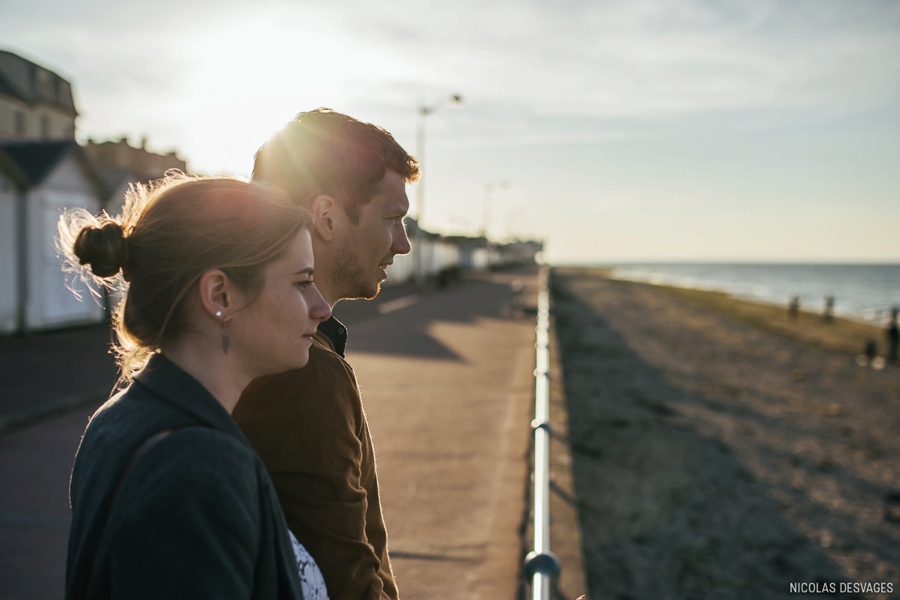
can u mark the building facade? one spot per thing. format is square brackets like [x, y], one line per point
[35, 103]
[43, 172]
[38, 181]
[123, 157]
[122, 165]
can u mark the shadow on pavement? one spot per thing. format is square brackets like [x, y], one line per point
[406, 331]
[34, 506]
[47, 366]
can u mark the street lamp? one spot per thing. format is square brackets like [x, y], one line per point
[422, 111]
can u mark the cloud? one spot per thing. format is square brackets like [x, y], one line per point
[616, 109]
[616, 59]
[638, 58]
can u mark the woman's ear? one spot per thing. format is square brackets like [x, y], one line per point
[322, 209]
[217, 294]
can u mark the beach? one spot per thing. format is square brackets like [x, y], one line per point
[721, 450]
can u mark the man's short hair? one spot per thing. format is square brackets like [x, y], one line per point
[326, 152]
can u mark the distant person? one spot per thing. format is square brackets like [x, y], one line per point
[352, 177]
[828, 315]
[870, 350]
[794, 308]
[169, 500]
[893, 336]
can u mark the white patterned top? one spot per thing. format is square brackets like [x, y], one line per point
[310, 576]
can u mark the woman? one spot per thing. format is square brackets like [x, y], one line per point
[168, 498]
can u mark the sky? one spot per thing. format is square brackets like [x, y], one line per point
[664, 130]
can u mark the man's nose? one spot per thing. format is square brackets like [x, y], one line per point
[401, 240]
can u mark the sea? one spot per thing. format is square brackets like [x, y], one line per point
[862, 292]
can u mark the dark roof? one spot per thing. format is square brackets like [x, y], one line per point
[8, 88]
[36, 159]
[32, 162]
[466, 239]
[33, 84]
[11, 170]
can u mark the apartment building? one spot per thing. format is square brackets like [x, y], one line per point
[35, 103]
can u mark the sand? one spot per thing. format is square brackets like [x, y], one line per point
[721, 455]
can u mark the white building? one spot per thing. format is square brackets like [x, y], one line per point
[122, 165]
[11, 182]
[42, 172]
[439, 256]
[38, 180]
[35, 103]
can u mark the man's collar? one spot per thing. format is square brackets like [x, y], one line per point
[336, 333]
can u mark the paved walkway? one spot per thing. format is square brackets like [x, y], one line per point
[53, 372]
[34, 507]
[447, 385]
[446, 380]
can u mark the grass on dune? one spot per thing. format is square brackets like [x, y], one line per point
[839, 334]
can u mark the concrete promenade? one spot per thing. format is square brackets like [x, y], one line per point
[447, 386]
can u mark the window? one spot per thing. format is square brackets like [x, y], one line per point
[44, 85]
[19, 122]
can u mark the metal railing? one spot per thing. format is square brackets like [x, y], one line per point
[541, 566]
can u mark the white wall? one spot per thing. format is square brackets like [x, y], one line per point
[115, 202]
[480, 259]
[9, 288]
[402, 270]
[437, 254]
[50, 303]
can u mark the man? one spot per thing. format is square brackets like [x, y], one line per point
[893, 336]
[309, 425]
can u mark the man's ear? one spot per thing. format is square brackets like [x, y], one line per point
[322, 208]
[217, 294]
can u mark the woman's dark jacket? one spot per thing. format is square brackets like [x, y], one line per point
[196, 515]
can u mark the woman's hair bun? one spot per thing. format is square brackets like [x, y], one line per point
[103, 248]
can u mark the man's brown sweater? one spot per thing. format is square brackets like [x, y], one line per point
[310, 429]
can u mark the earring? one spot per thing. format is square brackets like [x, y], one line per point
[218, 313]
[224, 325]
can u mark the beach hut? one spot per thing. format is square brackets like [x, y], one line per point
[12, 184]
[40, 179]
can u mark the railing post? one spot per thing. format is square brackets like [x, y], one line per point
[541, 565]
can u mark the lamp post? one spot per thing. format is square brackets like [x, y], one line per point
[422, 111]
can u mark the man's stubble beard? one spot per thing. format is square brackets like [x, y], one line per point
[351, 278]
